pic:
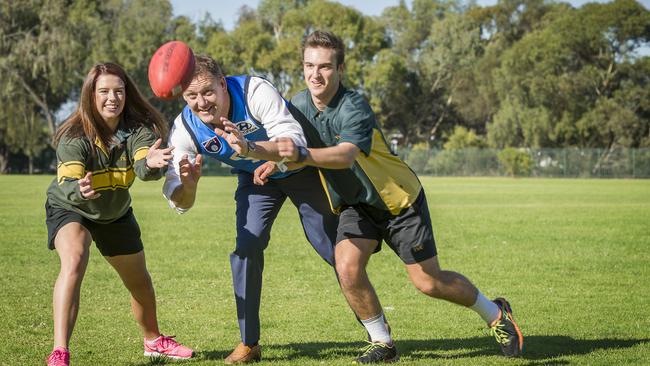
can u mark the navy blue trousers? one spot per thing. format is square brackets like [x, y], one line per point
[257, 208]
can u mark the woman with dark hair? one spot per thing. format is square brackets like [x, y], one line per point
[113, 136]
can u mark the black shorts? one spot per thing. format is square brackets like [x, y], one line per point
[119, 237]
[408, 233]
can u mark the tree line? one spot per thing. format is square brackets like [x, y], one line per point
[438, 73]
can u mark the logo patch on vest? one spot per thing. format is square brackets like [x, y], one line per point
[212, 145]
[246, 127]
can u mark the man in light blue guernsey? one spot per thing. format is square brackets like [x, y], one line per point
[236, 120]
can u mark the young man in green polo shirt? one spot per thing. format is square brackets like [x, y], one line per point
[379, 198]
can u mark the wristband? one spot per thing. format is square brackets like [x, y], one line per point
[302, 154]
[250, 146]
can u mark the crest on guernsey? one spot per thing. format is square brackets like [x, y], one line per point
[212, 145]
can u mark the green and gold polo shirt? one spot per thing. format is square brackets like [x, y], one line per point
[378, 177]
[113, 171]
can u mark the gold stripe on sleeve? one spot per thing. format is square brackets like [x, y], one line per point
[140, 153]
[70, 170]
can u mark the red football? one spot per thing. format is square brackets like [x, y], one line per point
[171, 69]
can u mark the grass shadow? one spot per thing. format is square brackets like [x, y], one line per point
[540, 350]
[536, 348]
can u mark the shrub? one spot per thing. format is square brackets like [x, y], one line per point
[516, 162]
[418, 157]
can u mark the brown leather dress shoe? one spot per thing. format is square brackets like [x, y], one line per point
[244, 354]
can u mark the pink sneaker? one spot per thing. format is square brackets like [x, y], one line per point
[166, 346]
[59, 357]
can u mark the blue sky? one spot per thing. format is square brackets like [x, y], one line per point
[226, 11]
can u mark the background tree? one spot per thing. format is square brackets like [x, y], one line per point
[563, 70]
[520, 73]
[447, 58]
[392, 90]
[41, 54]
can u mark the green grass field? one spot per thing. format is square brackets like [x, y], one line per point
[572, 256]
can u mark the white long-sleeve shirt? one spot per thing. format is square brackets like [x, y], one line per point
[259, 112]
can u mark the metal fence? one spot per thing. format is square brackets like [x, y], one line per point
[570, 163]
[573, 163]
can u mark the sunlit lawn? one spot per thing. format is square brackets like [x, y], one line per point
[572, 256]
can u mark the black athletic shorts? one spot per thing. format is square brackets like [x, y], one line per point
[408, 233]
[119, 237]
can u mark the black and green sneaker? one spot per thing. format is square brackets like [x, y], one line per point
[506, 331]
[377, 352]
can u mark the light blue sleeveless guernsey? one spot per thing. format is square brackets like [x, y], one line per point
[209, 144]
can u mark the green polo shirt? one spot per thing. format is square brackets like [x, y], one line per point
[378, 177]
[113, 172]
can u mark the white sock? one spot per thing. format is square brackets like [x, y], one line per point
[376, 327]
[487, 309]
